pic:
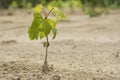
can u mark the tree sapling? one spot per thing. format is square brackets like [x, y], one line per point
[42, 26]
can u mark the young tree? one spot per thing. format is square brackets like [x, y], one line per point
[42, 26]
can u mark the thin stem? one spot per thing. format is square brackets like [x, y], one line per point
[46, 48]
[50, 12]
[44, 12]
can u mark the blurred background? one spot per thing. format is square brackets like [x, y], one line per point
[90, 7]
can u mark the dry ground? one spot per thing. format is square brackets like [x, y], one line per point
[85, 48]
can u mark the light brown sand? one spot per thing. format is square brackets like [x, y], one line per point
[84, 49]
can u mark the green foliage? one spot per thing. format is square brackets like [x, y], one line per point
[67, 3]
[41, 25]
[13, 5]
[58, 3]
[86, 5]
[75, 3]
[94, 11]
[5, 3]
[97, 7]
[61, 3]
[26, 4]
[34, 28]
[29, 5]
[103, 3]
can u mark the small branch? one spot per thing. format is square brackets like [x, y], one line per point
[50, 12]
[45, 15]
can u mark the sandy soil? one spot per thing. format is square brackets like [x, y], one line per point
[85, 49]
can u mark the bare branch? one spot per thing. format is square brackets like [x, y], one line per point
[50, 12]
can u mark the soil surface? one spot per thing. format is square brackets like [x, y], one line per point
[85, 48]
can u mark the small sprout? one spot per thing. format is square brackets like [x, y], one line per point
[42, 26]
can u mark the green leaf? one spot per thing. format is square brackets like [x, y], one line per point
[54, 30]
[50, 7]
[33, 30]
[59, 14]
[53, 25]
[37, 16]
[38, 8]
[41, 34]
[41, 27]
[46, 27]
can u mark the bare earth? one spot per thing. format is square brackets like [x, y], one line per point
[85, 49]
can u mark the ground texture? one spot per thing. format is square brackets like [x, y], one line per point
[85, 48]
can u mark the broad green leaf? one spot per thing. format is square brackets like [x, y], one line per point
[41, 34]
[54, 30]
[59, 14]
[37, 16]
[34, 28]
[33, 32]
[42, 27]
[38, 8]
[46, 27]
[49, 7]
[52, 23]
